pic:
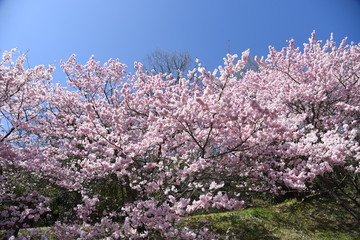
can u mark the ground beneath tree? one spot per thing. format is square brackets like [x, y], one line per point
[312, 219]
[317, 219]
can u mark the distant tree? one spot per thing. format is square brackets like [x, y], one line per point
[175, 62]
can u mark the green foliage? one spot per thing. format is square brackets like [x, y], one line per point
[62, 204]
[111, 192]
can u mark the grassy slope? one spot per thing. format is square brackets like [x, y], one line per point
[291, 220]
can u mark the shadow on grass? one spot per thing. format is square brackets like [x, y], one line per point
[249, 227]
[314, 216]
[292, 220]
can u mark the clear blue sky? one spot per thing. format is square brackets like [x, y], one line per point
[129, 30]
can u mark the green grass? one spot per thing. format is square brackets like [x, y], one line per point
[292, 220]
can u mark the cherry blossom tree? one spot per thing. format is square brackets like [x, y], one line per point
[141, 151]
[22, 95]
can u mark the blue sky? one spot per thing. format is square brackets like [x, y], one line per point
[54, 29]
